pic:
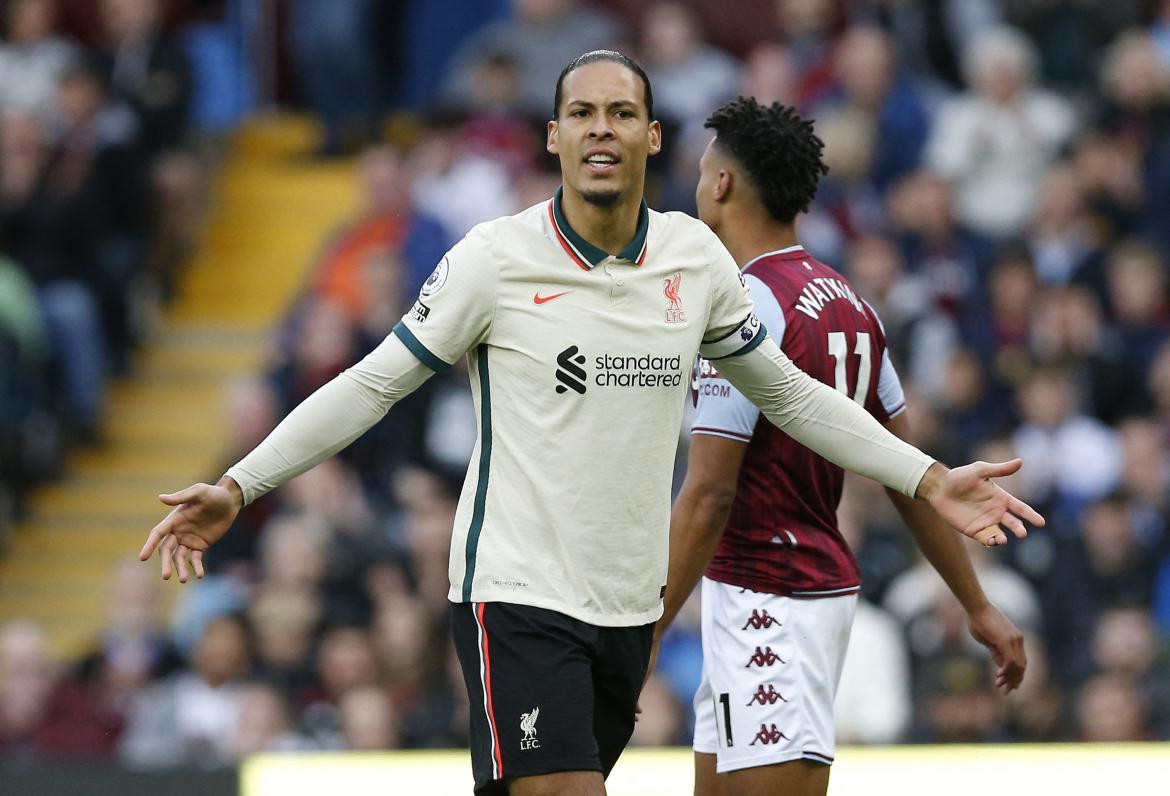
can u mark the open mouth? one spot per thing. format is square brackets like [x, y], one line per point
[601, 162]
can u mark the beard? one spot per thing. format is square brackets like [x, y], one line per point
[602, 198]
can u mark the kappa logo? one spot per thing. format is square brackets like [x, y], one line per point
[763, 657]
[570, 374]
[528, 726]
[768, 697]
[759, 620]
[769, 735]
[674, 311]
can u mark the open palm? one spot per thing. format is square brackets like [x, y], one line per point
[976, 506]
[201, 515]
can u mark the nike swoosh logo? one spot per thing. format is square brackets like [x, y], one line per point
[539, 299]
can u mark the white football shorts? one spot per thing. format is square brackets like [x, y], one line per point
[771, 665]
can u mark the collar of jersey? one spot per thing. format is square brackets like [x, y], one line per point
[584, 253]
[785, 253]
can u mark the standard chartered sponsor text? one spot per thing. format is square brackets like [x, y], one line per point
[646, 370]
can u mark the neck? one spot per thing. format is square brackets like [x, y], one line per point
[608, 228]
[751, 235]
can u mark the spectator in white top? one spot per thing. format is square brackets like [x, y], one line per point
[32, 59]
[997, 140]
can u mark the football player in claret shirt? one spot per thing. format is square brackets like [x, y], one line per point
[579, 318]
[758, 511]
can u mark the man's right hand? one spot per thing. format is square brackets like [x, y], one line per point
[201, 516]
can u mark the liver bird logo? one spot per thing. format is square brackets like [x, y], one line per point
[528, 724]
[674, 312]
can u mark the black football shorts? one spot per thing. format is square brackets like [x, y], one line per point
[548, 692]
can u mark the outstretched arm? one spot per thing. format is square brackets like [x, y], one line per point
[830, 424]
[944, 550]
[324, 423]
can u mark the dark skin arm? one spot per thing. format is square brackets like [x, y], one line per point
[943, 548]
[700, 514]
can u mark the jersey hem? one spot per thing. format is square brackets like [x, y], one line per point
[720, 432]
[769, 760]
[833, 591]
[420, 351]
[600, 620]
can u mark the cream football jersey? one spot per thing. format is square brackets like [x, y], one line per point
[579, 365]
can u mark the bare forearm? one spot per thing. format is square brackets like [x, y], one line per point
[696, 525]
[943, 548]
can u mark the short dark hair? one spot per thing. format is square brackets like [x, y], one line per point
[594, 56]
[778, 149]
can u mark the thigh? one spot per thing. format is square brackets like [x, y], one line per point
[565, 783]
[529, 683]
[619, 670]
[772, 664]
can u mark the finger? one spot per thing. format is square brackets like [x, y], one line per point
[991, 536]
[999, 469]
[181, 558]
[197, 563]
[1015, 525]
[1022, 509]
[188, 495]
[166, 554]
[156, 535]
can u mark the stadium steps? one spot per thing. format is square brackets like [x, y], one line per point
[271, 209]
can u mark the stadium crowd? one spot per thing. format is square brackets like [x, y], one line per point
[999, 191]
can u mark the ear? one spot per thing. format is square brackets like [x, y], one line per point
[655, 138]
[551, 143]
[723, 185]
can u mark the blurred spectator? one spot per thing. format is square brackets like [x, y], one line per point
[1071, 457]
[542, 38]
[32, 58]
[770, 74]
[690, 78]
[191, 717]
[931, 38]
[808, 28]
[1138, 300]
[284, 620]
[1067, 329]
[1064, 242]
[955, 698]
[42, 225]
[1105, 567]
[996, 140]
[367, 719]
[265, 724]
[456, 186]
[42, 714]
[333, 51]
[871, 82]
[387, 228]
[148, 69]
[1109, 708]
[134, 648]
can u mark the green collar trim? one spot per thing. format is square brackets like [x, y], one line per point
[635, 250]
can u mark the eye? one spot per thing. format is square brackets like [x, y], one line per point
[579, 113]
[624, 114]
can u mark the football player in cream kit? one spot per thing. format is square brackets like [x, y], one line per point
[580, 318]
[758, 512]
